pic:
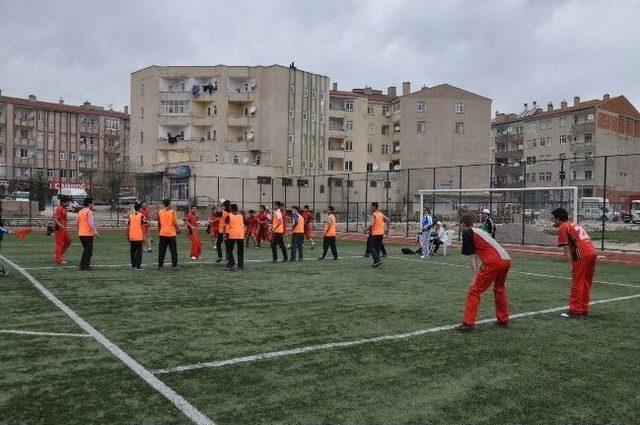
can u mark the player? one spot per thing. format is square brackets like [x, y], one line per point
[426, 224]
[253, 228]
[277, 231]
[263, 224]
[146, 227]
[307, 214]
[376, 229]
[487, 223]
[214, 231]
[490, 264]
[288, 223]
[581, 259]
[86, 232]
[135, 235]
[167, 230]
[329, 239]
[62, 236]
[297, 233]
[226, 210]
[235, 236]
[191, 221]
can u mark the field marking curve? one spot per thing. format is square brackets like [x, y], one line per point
[39, 333]
[180, 402]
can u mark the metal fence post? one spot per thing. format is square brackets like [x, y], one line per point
[243, 193]
[313, 194]
[218, 190]
[386, 194]
[604, 203]
[348, 189]
[408, 199]
[524, 195]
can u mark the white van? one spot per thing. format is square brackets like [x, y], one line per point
[635, 212]
[596, 208]
[77, 197]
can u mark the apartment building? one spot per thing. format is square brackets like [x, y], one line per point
[232, 121]
[563, 146]
[66, 144]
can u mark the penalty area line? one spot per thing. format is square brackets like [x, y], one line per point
[38, 333]
[180, 402]
[342, 344]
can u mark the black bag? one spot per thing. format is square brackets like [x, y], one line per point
[407, 251]
[50, 229]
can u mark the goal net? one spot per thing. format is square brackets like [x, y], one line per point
[521, 215]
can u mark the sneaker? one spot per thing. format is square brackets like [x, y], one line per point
[194, 258]
[138, 268]
[465, 328]
[219, 260]
[257, 247]
[376, 264]
[570, 315]
[312, 246]
[502, 324]
[320, 258]
[424, 257]
[335, 258]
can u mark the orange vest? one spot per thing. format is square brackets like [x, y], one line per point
[136, 233]
[330, 229]
[280, 228]
[300, 227]
[83, 223]
[166, 219]
[223, 222]
[235, 227]
[378, 224]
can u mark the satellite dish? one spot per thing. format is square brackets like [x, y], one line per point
[375, 167]
[221, 200]
[245, 160]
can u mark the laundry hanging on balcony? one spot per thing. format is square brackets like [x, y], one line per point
[195, 90]
[209, 88]
[173, 139]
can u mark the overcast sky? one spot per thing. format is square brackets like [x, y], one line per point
[511, 51]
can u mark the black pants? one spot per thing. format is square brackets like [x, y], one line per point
[167, 241]
[383, 250]
[136, 253]
[218, 244]
[436, 244]
[297, 241]
[375, 247]
[87, 252]
[231, 262]
[278, 241]
[329, 242]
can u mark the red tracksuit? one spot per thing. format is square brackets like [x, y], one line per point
[263, 227]
[308, 226]
[495, 267]
[583, 267]
[63, 239]
[192, 233]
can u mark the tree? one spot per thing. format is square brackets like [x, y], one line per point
[39, 190]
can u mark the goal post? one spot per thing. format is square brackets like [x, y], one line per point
[523, 212]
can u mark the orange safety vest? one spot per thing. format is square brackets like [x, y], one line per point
[136, 233]
[84, 229]
[280, 228]
[300, 227]
[166, 219]
[330, 229]
[235, 227]
[378, 224]
[223, 222]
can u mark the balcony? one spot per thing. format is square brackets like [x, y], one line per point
[202, 120]
[24, 141]
[585, 127]
[509, 170]
[174, 120]
[510, 138]
[509, 184]
[90, 129]
[577, 146]
[87, 165]
[241, 96]
[335, 152]
[513, 155]
[239, 121]
[24, 121]
[112, 132]
[88, 148]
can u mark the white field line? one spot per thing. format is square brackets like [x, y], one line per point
[20, 332]
[331, 345]
[189, 263]
[183, 405]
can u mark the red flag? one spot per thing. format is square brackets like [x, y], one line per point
[21, 233]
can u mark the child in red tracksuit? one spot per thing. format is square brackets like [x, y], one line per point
[191, 220]
[490, 264]
[253, 225]
[581, 258]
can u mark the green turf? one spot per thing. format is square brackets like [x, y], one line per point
[542, 370]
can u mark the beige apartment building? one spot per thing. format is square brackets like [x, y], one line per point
[66, 144]
[564, 146]
[192, 124]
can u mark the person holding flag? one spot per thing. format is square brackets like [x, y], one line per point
[191, 221]
[61, 235]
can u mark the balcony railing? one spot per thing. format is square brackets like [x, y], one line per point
[24, 121]
[93, 129]
[514, 155]
[584, 127]
[509, 170]
[239, 121]
[112, 131]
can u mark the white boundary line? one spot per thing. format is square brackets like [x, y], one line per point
[20, 332]
[322, 347]
[183, 405]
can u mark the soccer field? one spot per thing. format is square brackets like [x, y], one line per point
[332, 342]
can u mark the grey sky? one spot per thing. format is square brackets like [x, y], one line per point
[511, 51]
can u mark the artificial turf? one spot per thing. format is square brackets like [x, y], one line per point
[541, 370]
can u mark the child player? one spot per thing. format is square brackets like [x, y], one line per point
[307, 214]
[191, 221]
[253, 226]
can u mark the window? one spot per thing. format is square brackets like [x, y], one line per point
[459, 128]
[421, 127]
[73, 174]
[304, 139]
[50, 138]
[531, 160]
[290, 161]
[420, 107]
[588, 174]
[348, 145]
[63, 138]
[142, 90]
[312, 164]
[369, 166]
[112, 123]
[348, 105]
[458, 107]
[348, 125]
[384, 149]
[72, 156]
[63, 173]
[292, 89]
[215, 109]
[385, 110]
[534, 143]
[49, 173]
[305, 93]
[533, 177]
[543, 142]
[322, 118]
[372, 129]
[291, 113]
[563, 156]
[142, 160]
[587, 138]
[235, 158]
[369, 148]
[348, 165]
[40, 154]
[304, 115]
[590, 117]
[40, 116]
[291, 141]
[563, 139]
[313, 94]
[141, 137]
[384, 130]
[370, 110]
[562, 121]
[176, 107]
[313, 117]
[141, 112]
[63, 156]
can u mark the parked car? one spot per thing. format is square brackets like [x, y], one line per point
[127, 200]
[20, 196]
[76, 195]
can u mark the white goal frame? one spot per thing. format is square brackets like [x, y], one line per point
[422, 192]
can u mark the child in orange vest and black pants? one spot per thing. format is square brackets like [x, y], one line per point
[136, 235]
[86, 232]
[297, 234]
[167, 230]
[235, 235]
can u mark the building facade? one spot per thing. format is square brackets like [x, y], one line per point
[65, 144]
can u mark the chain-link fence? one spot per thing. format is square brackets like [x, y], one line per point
[608, 194]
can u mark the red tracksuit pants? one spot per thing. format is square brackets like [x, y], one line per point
[196, 245]
[583, 271]
[63, 242]
[496, 274]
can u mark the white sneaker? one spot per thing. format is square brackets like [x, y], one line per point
[193, 258]
[423, 256]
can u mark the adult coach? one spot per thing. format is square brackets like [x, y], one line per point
[167, 230]
[86, 232]
[581, 259]
[376, 228]
[329, 240]
[235, 237]
[297, 234]
[490, 264]
[277, 232]
[426, 225]
[62, 236]
[136, 235]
